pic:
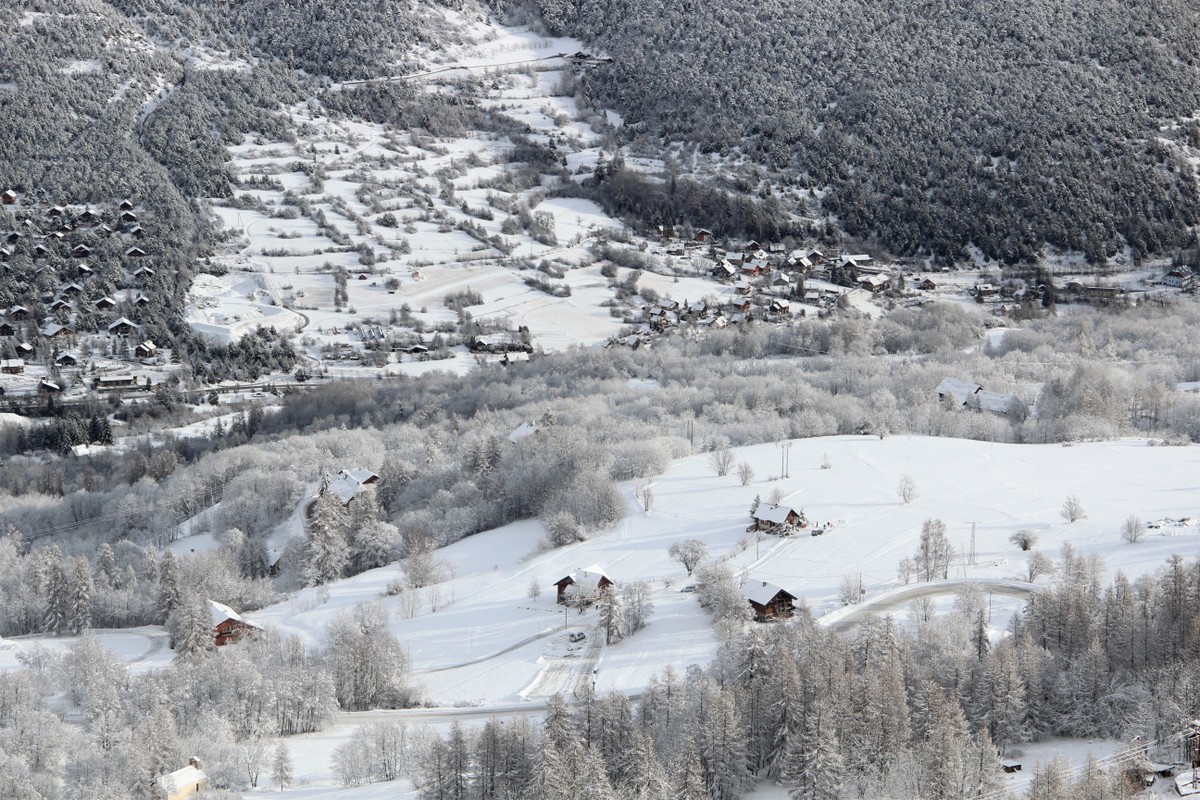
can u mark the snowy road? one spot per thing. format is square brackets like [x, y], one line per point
[846, 618]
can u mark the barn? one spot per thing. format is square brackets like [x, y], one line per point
[769, 601]
[180, 784]
[228, 625]
[777, 517]
[588, 583]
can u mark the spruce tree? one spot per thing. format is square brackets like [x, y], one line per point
[170, 588]
[58, 599]
[81, 595]
[107, 573]
[325, 552]
[281, 766]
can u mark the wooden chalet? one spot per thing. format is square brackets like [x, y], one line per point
[48, 387]
[927, 285]
[350, 483]
[135, 252]
[12, 366]
[777, 517]
[8, 197]
[180, 784]
[228, 625]
[122, 327]
[126, 205]
[54, 330]
[18, 313]
[110, 382]
[25, 350]
[588, 584]
[67, 360]
[146, 349]
[956, 392]
[769, 601]
[81, 251]
[7, 329]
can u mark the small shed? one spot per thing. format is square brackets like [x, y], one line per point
[769, 601]
[228, 625]
[180, 784]
[1010, 765]
[588, 583]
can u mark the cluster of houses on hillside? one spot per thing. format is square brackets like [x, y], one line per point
[74, 282]
[965, 394]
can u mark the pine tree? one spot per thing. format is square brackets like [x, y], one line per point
[107, 573]
[281, 766]
[191, 628]
[170, 588]
[58, 599]
[644, 779]
[612, 617]
[325, 552]
[81, 595]
[689, 774]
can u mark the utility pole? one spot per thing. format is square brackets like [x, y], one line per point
[974, 557]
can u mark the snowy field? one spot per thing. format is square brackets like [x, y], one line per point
[482, 647]
[478, 638]
[143, 648]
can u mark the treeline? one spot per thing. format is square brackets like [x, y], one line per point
[441, 442]
[927, 128]
[917, 711]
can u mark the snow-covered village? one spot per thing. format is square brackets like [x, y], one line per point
[534, 400]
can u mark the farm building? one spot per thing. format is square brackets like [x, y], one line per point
[773, 517]
[351, 482]
[228, 625]
[180, 784]
[105, 382]
[769, 601]
[588, 583]
[12, 366]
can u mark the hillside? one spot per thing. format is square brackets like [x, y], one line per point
[928, 128]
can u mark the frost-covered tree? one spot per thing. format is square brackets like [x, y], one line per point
[170, 588]
[58, 598]
[1133, 529]
[282, 771]
[326, 553]
[721, 460]
[689, 553]
[81, 595]
[1072, 509]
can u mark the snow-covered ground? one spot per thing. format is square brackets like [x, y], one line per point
[479, 638]
[143, 648]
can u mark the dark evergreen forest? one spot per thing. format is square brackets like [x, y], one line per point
[930, 126]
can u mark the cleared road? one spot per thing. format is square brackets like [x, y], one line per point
[847, 618]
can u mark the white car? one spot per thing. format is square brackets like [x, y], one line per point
[576, 636]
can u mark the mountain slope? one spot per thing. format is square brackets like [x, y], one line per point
[928, 126]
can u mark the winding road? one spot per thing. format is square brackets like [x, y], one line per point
[847, 618]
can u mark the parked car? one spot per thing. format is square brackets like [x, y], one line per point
[576, 636]
[691, 587]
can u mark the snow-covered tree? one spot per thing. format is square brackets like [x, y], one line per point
[282, 772]
[326, 553]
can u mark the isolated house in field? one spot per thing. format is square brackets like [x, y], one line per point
[180, 784]
[769, 601]
[774, 517]
[587, 584]
[927, 285]
[228, 625]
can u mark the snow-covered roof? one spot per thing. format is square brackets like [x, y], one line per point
[123, 321]
[523, 431]
[1185, 786]
[12, 363]
[762, 592]
[959, 390]
[588, 576]
[363, 476]
[996, 402]
[776, 515]
[221, 612]
[346, 488]
[188, 776]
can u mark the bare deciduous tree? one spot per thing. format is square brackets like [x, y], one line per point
[745, 472]
[1072, 509]
[1024, 539]
[721, 460]
[689, 552]
[1038, 564]
[906, 489]
[1132, 529]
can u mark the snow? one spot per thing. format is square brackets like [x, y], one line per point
[142, 649]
